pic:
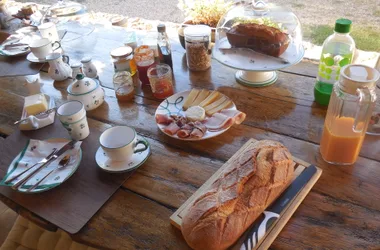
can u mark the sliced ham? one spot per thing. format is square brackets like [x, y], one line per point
[185, 131]
[238, 116]
[171, 129]
[219, 121]
[163, 119]
[199, 125]
[199, 130]
[196, 133]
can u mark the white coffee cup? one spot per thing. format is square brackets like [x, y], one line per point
[73, 117]
[49, 30]
[43, 47]
[119, 143]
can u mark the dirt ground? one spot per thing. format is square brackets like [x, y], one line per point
[362, 12]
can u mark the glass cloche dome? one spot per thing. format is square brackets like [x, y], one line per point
[258, 38]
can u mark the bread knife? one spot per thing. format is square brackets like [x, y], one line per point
[261, 226]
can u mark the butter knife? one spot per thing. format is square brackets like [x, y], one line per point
[66, 147]
[251, 51]
[272, 214]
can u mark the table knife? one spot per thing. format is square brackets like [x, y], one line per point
[251, 51]
[26, 170]
[273, 213]
[66, 147]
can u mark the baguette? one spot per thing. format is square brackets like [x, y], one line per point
[244, 189]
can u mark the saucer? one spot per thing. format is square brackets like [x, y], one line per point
[32, 58]
[134, 162]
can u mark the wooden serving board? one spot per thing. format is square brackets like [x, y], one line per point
[299, 166]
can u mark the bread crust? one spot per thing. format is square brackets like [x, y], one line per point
[259, 37]
[245, 188]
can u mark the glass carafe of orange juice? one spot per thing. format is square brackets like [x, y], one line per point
[351, 104]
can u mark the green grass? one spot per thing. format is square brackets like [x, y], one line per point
[366, 37]
[298, 5]
[377, 13]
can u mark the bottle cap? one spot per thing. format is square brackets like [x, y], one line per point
[343, 25]
[161, 27]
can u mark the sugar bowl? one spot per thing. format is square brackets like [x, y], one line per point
[87, 91]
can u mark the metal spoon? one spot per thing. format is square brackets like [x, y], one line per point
[61, 164]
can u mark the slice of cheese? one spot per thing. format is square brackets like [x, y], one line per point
[195, 113]
[218, 108]
[210, 99]
[201, 97]
[190, 98]
[216, 103]
[35, 104]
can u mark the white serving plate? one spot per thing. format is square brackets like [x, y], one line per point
[173, 106]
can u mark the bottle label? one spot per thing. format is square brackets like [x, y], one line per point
[330, 65]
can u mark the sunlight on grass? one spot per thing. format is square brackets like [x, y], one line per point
[366, 37]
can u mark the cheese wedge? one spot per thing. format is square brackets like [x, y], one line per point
[210, 99]
[218, 108]
[201, 97]
[35, 104]
[216, 103]
[190, 98]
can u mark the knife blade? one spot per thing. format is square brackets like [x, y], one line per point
[273, 213]
[66, 147]
[251, 51]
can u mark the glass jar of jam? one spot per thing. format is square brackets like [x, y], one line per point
[122, 59]
[144, 57]
[161, 80]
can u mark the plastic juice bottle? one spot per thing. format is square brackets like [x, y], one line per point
[337, 51]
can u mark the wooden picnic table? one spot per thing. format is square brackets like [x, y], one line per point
[342, 211]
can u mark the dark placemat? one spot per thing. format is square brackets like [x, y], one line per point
[18, 66]
[72, 204]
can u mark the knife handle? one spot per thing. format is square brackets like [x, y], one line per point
[259, 230]
[26, 178]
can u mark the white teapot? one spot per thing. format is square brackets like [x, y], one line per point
[87, 91]
[58, 70]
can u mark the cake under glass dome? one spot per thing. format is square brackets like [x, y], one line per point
[258, 38]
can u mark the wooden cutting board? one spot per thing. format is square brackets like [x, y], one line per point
[299, 166]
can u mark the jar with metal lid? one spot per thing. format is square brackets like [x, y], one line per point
[122, 59]
[197, 42]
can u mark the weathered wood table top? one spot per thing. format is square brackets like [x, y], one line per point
[341, 212]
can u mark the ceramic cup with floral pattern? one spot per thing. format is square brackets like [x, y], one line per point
[73, 117]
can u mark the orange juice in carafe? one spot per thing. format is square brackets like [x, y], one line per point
[348, 114]
[340, 135]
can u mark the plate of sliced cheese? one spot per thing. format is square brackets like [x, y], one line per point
[197, 114]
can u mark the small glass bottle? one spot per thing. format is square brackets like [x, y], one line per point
[163, 45]
[337, 51]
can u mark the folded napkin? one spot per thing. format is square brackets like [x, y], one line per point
[35, 151]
